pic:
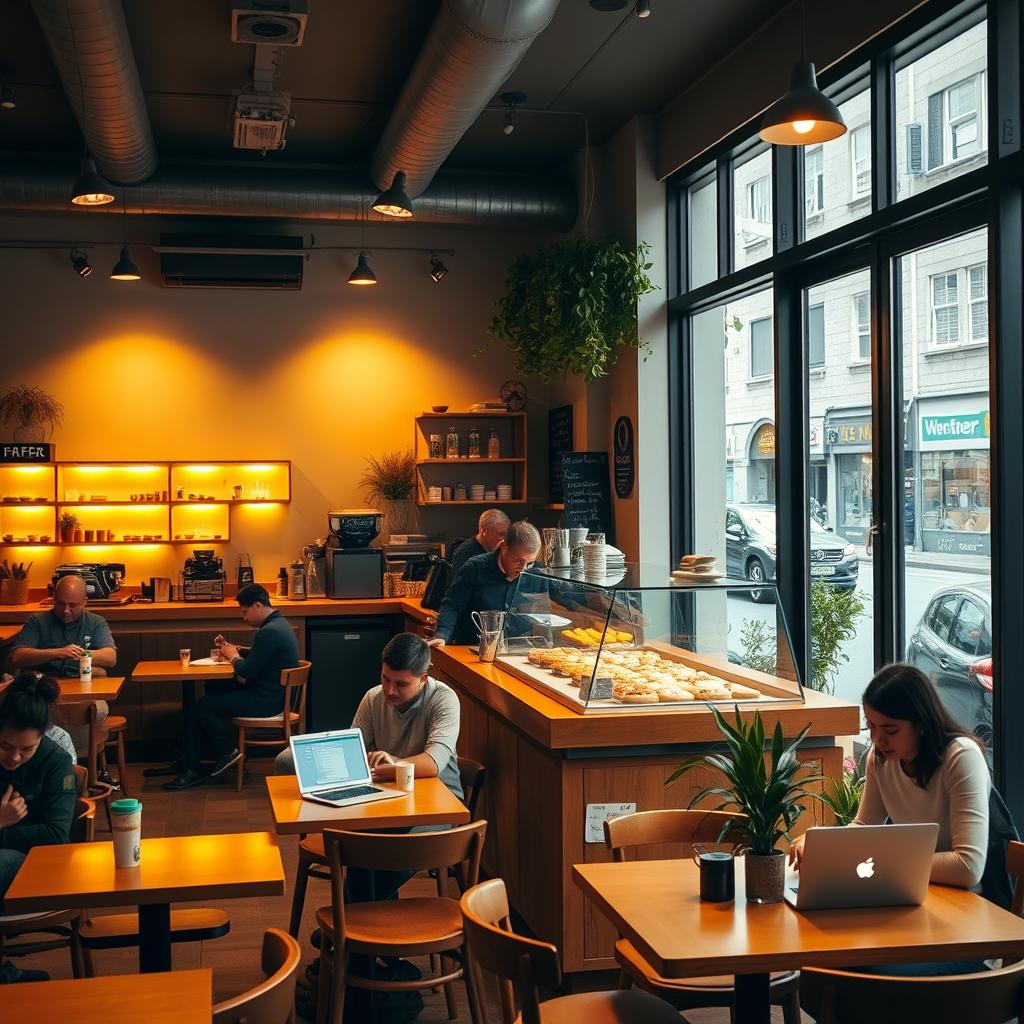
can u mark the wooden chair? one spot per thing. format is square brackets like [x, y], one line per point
[677, 827]
[21, 934]
[313, 859]
[83, 714]
[395, 928]
[116, 726]
[1015, 869]
[273, 1000]
[521, 965]
[294, 713]
[845, 997]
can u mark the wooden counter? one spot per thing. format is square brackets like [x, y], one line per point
[546, 763]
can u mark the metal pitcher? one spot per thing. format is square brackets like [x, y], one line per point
[488, 622]
[491, 644]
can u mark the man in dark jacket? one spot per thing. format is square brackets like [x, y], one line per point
[255, 691]
[491, 531]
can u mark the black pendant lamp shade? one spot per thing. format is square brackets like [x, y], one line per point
[394, 201]
[124, 269]
[90, 189]
[363, 274]
[805, 116]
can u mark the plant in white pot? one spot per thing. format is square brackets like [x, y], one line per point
[767, 789]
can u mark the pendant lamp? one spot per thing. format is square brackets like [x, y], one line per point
[124, 268]
[394, 201]
[363, 274]
[89, 188]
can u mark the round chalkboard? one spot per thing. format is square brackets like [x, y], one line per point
[625, 459]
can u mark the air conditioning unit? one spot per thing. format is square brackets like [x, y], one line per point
[261, 120]
[222, 261]
[269, 22]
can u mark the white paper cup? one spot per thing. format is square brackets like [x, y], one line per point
[126, 818]
[405, 774]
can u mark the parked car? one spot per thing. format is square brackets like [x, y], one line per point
[750, 549]
[952, 643]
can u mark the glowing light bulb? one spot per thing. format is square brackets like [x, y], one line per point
[803, 127]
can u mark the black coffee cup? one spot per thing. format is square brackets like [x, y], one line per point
[717, 876]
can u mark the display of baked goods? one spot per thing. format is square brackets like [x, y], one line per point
[592, 637]
[637, 676]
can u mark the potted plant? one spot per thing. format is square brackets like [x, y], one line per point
[68, 525]
[390, 482]
[769, 794]
[842, 796]
[571, 306]
[31, 410]
[14, 578]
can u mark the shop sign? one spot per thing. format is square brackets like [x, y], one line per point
[849, 434]
[26, 453]
[764, 442]
[957, 431]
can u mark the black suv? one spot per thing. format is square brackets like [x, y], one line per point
[750, 549]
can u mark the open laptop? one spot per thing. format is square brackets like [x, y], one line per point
[864, 866]
[331, 768]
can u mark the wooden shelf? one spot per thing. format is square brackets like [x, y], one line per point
[118, 503]
[497, 414]
[553, 506]
[466, 461]
[226, 501]
[25, 504]
[493, 502]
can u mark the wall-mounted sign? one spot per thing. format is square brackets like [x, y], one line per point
[959, 431]
[625, 460]
[855, 433]
[588, 494]
[41, 451]
[763, 446]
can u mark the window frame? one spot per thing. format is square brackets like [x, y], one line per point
[858, 357]
[934, 344]
[972, 302]
[817, 187]
[750, 335]
[861, 131]
[811, 365]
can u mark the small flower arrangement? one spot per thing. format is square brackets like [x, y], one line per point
[68, 520]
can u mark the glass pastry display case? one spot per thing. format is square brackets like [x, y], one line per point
[639, 640]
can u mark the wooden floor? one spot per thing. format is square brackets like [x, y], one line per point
[234, 958]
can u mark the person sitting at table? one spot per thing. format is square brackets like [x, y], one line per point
[37, 785]
[57, 733]
[491, 530]
[255, 691]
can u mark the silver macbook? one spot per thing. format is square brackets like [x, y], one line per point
[331, 768]
[864, 866]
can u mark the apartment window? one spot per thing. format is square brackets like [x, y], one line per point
[862, 327]
[816, 335]
[955, 121]
[814, 181]
[860, 157]
[761, 361]
[977, 301]
[945, 309]
[759, 200]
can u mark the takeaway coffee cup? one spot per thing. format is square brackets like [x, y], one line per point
[405, 774]
[717, 875]
[126, 819]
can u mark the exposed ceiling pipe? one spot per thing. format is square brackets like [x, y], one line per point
[472, 48]
[89, 43]
[477, 200]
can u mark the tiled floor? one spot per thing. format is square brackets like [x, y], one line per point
[216, 807]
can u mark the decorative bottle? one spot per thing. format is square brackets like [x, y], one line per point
[493, 446]
[85, 662]
[452, 447]
[474, 443]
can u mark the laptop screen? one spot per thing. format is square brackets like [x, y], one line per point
[329, 760]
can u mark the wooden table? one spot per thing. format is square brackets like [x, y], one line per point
[430, 803]
[656, 905]
[8, 633]
[101, 688]
[172, 672]
[179, 869]
[174, 997]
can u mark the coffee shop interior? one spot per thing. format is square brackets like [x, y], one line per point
[490, 490]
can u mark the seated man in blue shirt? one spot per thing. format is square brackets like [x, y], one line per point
[256, 690]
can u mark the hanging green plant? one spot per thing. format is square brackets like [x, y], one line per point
[570, 306]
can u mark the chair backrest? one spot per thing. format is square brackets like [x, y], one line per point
[81, 779]
[294, 681]
[79, 714]
[519, 963]
[83, 825]
[840, 997]
[1015, 868]
[472, 775]
[649, 828]
[273, 1000]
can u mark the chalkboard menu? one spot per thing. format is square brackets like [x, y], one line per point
[587, 493]
[625, 459]
[559, 441]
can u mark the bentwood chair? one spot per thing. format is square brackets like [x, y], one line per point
[116, 726]
[521, 965]
[294, 681]
[647, 829]
[272, 1001]
[395, 928]
[845, 997]
[83, 714]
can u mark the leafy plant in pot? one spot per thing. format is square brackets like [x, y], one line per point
[768, 790]
[68, 525]
[389, 481]
[31, 410]
[14, 581]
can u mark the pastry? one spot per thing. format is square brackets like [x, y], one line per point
[675, 693]
[711, 691]
[634, 693]
[743, 692]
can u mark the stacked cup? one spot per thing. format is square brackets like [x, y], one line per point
[595, 560]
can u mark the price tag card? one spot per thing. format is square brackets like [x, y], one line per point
[599, 688]
[598, 814]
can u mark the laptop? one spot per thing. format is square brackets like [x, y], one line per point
[331, 768]
[864, 866]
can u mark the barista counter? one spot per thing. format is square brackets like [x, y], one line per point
[547, 763]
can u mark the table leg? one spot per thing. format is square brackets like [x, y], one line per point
[154, 937]
[752, 1001]
[189, 754]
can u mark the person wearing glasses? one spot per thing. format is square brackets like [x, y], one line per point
[485, 583]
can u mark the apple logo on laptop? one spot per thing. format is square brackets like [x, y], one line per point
[866, 868]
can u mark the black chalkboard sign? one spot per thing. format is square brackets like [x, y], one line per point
[559, 441]
[588, 497]
[37, 451]
[625, 460]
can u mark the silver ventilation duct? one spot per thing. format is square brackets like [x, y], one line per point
[472, 48]
[89, 43]
[477, 200]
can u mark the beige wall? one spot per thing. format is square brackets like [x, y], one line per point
[321, 376]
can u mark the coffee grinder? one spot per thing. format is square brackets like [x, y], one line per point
[314, 557]
[354, 568]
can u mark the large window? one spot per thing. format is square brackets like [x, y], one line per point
[752, 184]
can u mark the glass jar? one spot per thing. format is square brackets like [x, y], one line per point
[474, 443]
[436, 448]
[460, 492]
[493, 446]
[453, 448]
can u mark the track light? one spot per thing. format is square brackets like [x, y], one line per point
[511, 100]
[394, 202]
[363, 274]
[82, 266]
[124, 269]
[643, 8]
[7, 100]
[437, 270]
[90, 189]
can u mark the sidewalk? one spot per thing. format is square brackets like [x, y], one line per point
[977, 565]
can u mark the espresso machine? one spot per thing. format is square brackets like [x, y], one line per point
[355, 569]
[203, 577]
[102, 580]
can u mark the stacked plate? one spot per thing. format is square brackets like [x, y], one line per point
[490, 496]
[595, 560]
[696, 568]
[615, 560]
[476, 492]
[504, 492]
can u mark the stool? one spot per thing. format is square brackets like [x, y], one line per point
[116, 726]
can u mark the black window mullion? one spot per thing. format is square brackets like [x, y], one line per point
[1004, 89]
[726, 216]
[883, 141]
[786, 198]
[681, 435]
[678, 241]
